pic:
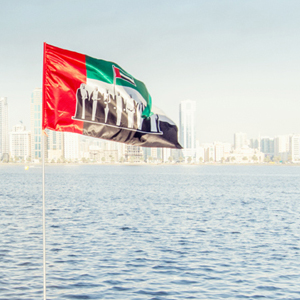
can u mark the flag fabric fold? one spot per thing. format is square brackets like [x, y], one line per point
[98, 98]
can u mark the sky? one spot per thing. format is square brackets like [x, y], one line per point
[239, 60]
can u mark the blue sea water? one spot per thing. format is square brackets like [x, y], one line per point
[151, 232]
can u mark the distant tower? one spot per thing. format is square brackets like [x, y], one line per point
[71, 146]
[267, 145]
[187, 130]
[295, 147]
[20, 142]
[240, 140]
[55, 145]
[4, 137]
[36, 125]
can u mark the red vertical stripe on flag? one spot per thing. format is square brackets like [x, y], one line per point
[63, 73]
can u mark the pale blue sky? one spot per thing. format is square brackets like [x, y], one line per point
[240, 60]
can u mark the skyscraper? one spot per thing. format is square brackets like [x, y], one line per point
[4, 137]
[20, 142]
[36, 125]
[71, 146]
[282, 147]
[281, 144]
[295, 147]
[187, 130]
[55, 145]
[267, 145]
[240, 140]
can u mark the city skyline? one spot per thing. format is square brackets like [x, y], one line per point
[35, 108]
[59, 146]
[238, 60]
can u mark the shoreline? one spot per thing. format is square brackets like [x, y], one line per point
[151, 164]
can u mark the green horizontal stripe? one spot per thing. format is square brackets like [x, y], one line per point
[102, 70]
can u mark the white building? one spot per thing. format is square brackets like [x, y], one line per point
[167, 155]
[282, 146]
[133, 153]
[222, 150]
[4, 132]
[267, 145]
[245, 155]
[240, 140]
[295, 148]
[187, 127]
[209, 152]
[200, 153]
[55, 145]
[19, 140]
[71, 146]
[36, 125]
[110, 151]
[121, 151]
[219, 152]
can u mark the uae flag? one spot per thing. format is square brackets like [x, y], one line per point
[98, 98]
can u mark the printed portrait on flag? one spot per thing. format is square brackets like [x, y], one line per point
[97, 104]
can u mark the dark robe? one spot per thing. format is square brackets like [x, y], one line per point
[135, 115]
[79, 103]
[112, 112]
[146, 126]
[124, 118]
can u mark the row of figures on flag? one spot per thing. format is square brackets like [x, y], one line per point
[115, 110]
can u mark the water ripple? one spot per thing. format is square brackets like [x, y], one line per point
[140, 232]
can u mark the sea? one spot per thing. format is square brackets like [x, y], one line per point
[151, 232]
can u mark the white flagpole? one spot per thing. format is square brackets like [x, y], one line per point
[44, 219]
[43, 158]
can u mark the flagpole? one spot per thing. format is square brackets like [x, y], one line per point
[44, 218]
[43, 184]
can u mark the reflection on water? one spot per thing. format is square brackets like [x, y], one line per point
[151, 232]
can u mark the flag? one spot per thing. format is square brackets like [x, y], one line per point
[98, 98]
[119, 74]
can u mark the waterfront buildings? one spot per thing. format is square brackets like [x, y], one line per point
[245, 155]
[70, 147]
[221, 151]
[20, 143]
[133, 153]
[187, 127]
[4, 137]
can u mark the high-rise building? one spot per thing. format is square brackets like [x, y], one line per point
[222, 150]
[200, 153]
[133, 153]
[36, 125]
[55, 145]
[19, 140]
[254, 144]
[187, 129]
[4, 137]
[240, 140]
[267, 145]
[71, 146]
[295, 147]
[281, 144]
